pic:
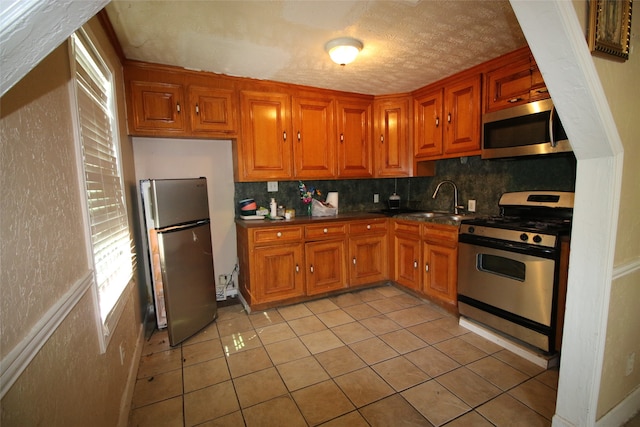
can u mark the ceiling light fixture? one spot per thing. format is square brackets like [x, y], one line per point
[343, 50]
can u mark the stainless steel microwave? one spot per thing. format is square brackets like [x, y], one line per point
[525, 130]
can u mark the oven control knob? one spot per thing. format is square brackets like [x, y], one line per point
[524, 237]
[471, 229]
[537, 239]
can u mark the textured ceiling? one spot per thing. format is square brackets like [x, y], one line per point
[407, 44]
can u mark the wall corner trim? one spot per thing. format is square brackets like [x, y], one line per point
[17, 360]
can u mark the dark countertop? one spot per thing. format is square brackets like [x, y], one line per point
[306, 220]
[350, 216]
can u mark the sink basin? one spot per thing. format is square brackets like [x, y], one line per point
[440, 215]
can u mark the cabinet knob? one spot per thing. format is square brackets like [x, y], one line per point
[279, 234]
[299, 136]
[381, 139]
[437, 121]
[342, 137]
[325, 231]
[449, 118]
[426, 267]
[368, 226]
[354, 260]
[284, 135]
[297, 268]
[311, 268]
[415, 264]
[178, 107]
[513, 100]
[197, 110]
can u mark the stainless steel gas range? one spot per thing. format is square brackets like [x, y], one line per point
[512, 268]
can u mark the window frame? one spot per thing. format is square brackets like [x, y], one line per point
[106, 326]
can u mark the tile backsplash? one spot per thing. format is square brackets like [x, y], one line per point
[481, 180]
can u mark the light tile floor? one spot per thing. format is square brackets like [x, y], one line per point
[375, 357]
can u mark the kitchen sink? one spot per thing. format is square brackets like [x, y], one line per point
[436, 214]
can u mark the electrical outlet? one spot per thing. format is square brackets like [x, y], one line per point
[472, 206]
[631, 359]
[223, 279]
[122, 354]
[272, 186]
[376, 198]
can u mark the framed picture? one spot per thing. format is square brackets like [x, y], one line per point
[610, 28]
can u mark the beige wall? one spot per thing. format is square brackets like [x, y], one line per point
[43, 256]
[620, 83]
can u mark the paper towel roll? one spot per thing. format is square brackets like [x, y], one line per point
[332, 199]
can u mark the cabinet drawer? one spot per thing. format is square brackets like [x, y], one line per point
[409, 227]
[368, 227]
[325, 231]
[263, 236]
[443, 234]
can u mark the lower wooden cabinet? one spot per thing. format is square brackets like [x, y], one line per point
[407, 248]
[325, 263]
[440, 259]
[368, 252]
[280, 270]
[426, 259]
[286, 263]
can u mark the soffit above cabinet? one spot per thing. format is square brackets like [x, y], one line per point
[407, 44]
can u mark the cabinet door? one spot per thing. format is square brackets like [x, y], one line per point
[408, 261]
[314, 146]
[462, 110]
[157, 107]
[212, 110]
[391, 141]
[279, 272]
[428, 125]
[538, 89]
[440, 272]
[368, 259]
[509, 85]
[265, 146]
[325, 262]
[354, 139]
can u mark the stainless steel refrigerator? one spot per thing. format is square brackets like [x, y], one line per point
[177, 225]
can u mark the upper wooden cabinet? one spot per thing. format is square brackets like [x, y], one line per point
[462, 111]
[156, 108]
[264, 151]
[314, 145]
[354, 138]
[513, 79]
[447, 118]
[427, 115]
[174, 104]
[212, 110]
[392, 146]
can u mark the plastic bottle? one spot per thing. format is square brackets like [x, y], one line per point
[273, 208]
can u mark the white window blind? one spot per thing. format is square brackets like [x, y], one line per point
[111, 243]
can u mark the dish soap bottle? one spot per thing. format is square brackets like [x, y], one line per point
[273, 208]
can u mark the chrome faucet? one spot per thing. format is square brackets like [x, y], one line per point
[456, 207]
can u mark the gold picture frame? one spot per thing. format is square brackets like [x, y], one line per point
[610, 28]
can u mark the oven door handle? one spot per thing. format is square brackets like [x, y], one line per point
[521, 248]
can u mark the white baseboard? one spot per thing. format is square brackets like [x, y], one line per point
[127, 396]
[538, 359]
[623, 412]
